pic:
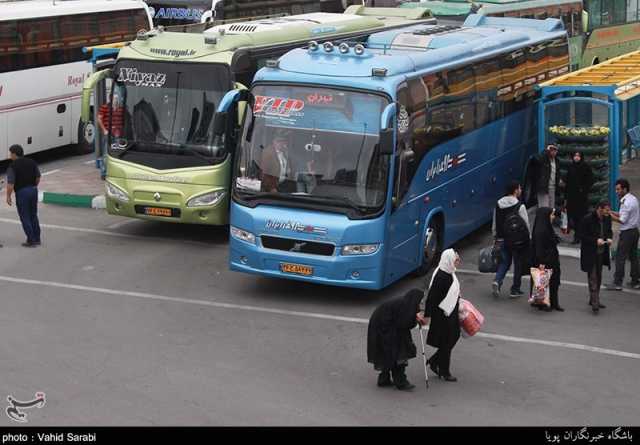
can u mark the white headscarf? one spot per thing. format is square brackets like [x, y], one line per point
[448, 265]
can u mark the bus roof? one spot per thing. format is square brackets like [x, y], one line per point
[480, 37]
[30, 9]
[354, 16]
[462, 8]
[220, 46]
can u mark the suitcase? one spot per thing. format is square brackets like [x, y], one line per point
[488, 260]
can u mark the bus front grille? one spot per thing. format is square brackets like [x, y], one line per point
[298, 246]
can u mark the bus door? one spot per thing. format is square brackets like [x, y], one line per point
[96, 95]
[404, 221]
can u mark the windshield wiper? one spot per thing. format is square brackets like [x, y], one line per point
[345, 202]
[196, 153]
[127, 148]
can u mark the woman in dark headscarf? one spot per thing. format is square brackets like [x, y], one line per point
[579, 182]
[389, 341]
[544, 252]
[442, 308]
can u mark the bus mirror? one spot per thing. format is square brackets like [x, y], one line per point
[408, 156]
[220, 123]
[386, 141]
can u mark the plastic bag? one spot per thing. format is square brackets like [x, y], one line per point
[471, 320]
[540, 289]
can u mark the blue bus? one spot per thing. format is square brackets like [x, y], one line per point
[358, 165]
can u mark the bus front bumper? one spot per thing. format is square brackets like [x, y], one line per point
[364, 272]
[217, 214]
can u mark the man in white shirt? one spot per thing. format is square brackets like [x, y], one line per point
[629, 219]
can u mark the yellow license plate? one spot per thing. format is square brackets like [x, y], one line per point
[296, 268]
[157, 211]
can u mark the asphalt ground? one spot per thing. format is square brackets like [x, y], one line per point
[126, 322]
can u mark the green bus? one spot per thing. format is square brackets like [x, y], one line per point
[598, 29]
[166, 157]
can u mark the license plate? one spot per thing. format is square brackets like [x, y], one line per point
[157, 211]
[296, 268]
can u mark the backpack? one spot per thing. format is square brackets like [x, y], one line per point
[516, 234]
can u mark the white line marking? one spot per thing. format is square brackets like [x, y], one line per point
[51, 172]
[89, 162]
[122, 223]
[104, 232]
[148, 296]
[569, 283]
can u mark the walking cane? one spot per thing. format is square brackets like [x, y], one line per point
[424, 357]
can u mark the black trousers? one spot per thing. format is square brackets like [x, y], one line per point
[442, 359]
[595, 281]
[554, 286]
[627, 248]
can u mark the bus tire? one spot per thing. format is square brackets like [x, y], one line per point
[84, 146]
[433, 246]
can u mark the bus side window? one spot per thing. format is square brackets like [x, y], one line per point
[460, 98]
[411, 120]
[9, 46]
[487, 75]
[513, 81]
[437, 124]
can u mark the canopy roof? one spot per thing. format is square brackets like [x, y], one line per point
[620, 74]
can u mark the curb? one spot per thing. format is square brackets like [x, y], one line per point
[73, 200]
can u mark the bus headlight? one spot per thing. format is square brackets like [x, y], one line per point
[242, 235]
[207, 199]
[360, 249]
[116, 192]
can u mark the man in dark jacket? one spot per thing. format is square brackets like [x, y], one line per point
[548, 177]
[512, 235]
[23, 178]
[596, 235]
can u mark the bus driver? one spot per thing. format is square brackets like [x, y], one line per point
[275, 163]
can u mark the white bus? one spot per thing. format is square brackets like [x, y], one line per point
[43, 67]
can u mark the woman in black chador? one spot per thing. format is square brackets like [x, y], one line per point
[579, 182]
[389, 341]
[442, 307]
[544, 252]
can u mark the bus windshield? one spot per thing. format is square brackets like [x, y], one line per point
[315, 146]
[162, 113]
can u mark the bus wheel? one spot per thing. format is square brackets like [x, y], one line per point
[433, 243]
[86, 138]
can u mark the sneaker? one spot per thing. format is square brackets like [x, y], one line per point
[495, 287]
[516, 293]
[28, 244]
[613, 286]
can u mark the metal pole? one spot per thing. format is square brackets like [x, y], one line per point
[424, 357]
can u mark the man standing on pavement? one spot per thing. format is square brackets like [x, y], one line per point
[629, 219]
[23, 178]
[548, 177]
[595, 238]
[511, 233]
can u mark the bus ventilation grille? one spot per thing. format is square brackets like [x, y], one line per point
[297, 245]
[242, 28]
[436, 30]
